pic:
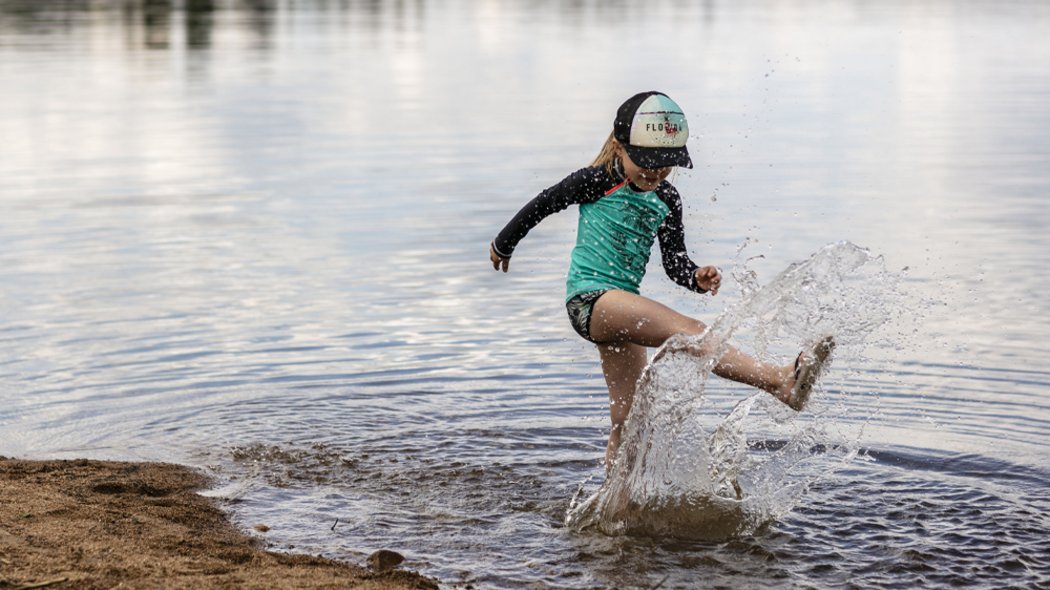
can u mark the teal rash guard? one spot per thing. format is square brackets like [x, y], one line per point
[617, 228]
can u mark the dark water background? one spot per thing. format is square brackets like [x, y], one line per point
[251, 236]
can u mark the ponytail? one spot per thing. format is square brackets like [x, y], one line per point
[609, 157]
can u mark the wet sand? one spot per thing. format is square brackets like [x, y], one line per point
[99, 524]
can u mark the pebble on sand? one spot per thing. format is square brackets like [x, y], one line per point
[384, 560]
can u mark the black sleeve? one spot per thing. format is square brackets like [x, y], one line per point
[677, 263]
[583, 186]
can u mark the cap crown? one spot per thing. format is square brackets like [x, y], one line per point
[658, 122]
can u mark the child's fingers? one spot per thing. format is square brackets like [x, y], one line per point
[494, 258]
[709, 278]
[498, 262]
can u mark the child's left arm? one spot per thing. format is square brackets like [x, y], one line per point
[677, 264]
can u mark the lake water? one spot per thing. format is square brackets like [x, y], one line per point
[251, 236]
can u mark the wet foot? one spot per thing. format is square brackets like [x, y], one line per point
[808, 367]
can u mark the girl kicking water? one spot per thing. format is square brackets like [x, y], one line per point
[626, 204]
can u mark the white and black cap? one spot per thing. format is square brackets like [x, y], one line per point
[653, 130]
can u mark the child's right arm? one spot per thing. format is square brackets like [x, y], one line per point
[583, 186]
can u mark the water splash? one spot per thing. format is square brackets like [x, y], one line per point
[682, 473]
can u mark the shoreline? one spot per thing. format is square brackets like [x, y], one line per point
[89, 524]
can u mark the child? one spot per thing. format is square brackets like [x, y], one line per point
[626, 204]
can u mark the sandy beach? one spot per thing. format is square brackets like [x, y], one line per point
[98, 524]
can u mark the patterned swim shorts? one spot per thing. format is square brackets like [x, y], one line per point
[580, 308]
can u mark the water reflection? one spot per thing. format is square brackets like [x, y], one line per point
[145, 24]
[199, 22]
[155, 20]
[165, 23]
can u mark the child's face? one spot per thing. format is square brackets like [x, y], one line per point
[644, 178]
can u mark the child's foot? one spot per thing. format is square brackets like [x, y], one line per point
[808, 368]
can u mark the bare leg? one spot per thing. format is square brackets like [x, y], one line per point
[623, 318]
[622, 365]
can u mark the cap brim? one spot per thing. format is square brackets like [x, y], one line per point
[651, 157]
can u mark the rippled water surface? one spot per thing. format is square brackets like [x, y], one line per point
[251, 237]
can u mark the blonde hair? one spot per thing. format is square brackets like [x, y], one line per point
[609, 156]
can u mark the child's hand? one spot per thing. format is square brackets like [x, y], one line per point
[708, 278]
[497, 260]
